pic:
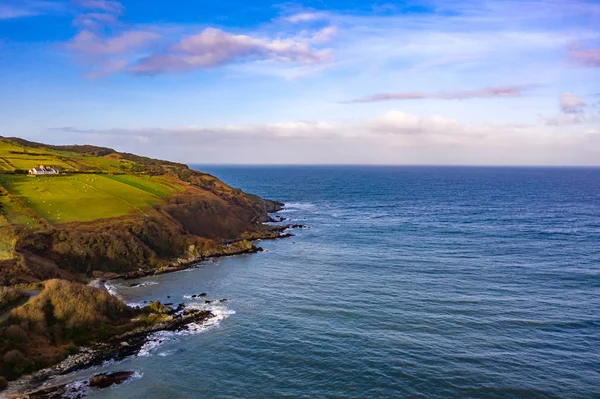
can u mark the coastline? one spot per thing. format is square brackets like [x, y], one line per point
[232, 248]
[130, 343]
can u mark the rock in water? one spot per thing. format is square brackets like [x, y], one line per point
[106, 380]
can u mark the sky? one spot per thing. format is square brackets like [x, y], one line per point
[436, 82]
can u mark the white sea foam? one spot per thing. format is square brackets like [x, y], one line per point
[156, 340]
[144, 284]
[297, 206]
[136, 376]
[112, 289]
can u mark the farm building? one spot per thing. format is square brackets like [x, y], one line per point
[41, 170]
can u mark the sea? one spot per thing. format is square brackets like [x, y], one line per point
[410, 282]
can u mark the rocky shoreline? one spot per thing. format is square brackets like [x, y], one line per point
[131, 342]
[117, 348]
[239, 247]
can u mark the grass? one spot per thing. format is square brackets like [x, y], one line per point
[165, 181]
[22, 162]
[16, 157]
[149, 184]
[7, 242]
[14, 212]
[83, 197]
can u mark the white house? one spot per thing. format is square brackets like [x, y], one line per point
[44, 171]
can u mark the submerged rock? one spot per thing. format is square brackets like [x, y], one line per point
[105, 380]
[78, 389]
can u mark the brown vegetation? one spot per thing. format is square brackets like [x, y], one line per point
[49, 327]
[205, 216]
[9, 294]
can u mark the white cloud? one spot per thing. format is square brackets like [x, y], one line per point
[27, 8]
[306, 17]
[325, 35]
[214, 47]
[574, 111]
[87, 42]
[571, 104]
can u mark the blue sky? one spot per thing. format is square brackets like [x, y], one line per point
[423, 82]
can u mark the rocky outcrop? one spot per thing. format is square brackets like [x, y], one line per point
[106, 380]
[78, 389]
[162, 318]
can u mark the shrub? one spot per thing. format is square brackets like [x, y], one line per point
[16, 334]
[9, 295]
[14, 362]
[3, 383]
[64, 314]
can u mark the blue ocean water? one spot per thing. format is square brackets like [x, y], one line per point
[412, 282]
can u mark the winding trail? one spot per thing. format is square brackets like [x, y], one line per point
[30, 294]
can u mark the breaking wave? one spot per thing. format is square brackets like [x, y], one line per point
[160, 338]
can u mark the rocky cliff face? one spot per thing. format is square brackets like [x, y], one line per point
[188, 227]
[201, 216]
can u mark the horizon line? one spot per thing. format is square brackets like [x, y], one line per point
[392, 165]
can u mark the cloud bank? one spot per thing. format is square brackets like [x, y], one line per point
[393, 137]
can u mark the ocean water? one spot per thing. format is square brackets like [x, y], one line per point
[412, 282]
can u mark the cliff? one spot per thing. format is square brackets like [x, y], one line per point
[110, 213]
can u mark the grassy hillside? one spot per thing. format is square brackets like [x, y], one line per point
[111, 212]
[85, 197]
[19, 156]
[105, 214]
[96, 183]
[49, 327]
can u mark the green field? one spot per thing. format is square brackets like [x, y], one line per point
[16, 157]
[83, 197]
[15, 213]
[98, 183]
[149, 184]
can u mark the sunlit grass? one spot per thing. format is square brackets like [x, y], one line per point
[80, 198]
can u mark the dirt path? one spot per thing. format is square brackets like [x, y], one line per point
[30, 294]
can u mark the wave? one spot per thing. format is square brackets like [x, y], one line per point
[138, 285]
[297, 206]
[112, 289]
[160, 338]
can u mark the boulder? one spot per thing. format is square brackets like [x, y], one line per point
[106, 380]
[157, 307]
